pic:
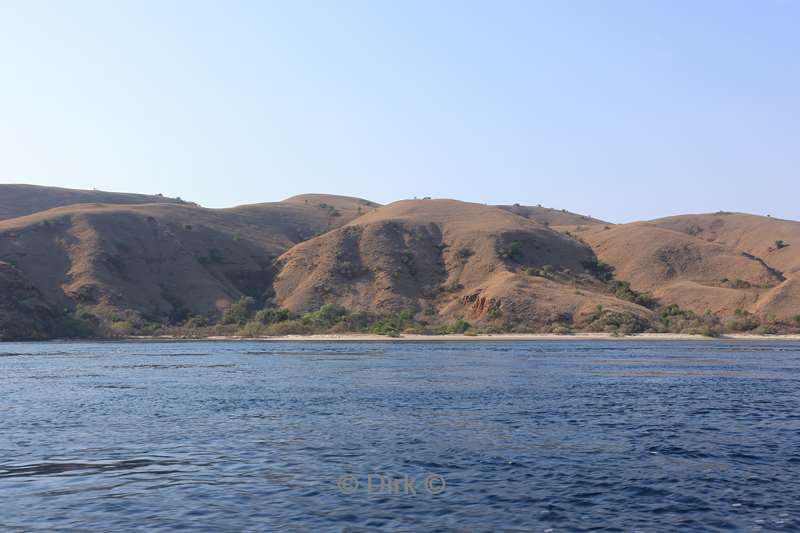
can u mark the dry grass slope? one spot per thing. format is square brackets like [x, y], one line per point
[158, 261]
[445, 259]
[718, 262]
[139, 260]
[17, 200]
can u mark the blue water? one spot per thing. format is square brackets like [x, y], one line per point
[517, 436]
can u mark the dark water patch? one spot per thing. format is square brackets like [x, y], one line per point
[178, 354]
[116, 387]
[154, 366]
[55, 468]
[315, 353]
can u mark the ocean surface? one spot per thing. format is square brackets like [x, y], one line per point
[444, 436]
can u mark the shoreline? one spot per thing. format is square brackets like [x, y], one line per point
[500, 337]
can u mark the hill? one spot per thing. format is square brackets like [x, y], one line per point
[317, 262]
[18, 200]
[443, 260]
[551, 217]
[721, 262]
[157, 262]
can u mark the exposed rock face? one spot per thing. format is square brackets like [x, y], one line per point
[478, 305]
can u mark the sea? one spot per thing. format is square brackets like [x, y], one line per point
[472, 436]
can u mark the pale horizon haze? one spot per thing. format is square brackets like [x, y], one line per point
[621, 110]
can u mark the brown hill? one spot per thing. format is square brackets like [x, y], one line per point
[773, 242]
[18, 200]
[348, 206]
[717, 262]
[124, 262]
[445, 259]
[551, 217]
[127, 265]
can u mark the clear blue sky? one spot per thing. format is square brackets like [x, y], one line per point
[619, 109]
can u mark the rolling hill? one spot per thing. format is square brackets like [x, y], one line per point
[721, 262]
[18, 200]
[445, 259]
[118, 263]
[160, 262]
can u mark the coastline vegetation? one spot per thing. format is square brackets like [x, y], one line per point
[245, 319]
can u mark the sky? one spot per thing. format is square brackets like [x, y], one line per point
[622, 110]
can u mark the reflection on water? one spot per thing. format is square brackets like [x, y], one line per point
[526, 436]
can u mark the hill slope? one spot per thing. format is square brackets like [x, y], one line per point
[24, 314]
[17, 200]
[446, 259]
[156, 261]
[128, 266]
[717, 262]
[550, 216]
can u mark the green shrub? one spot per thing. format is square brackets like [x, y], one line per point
[455, 327]
[512, 252]
[393, 323]
[598, 269]
[178, 311]
[325, 317]
[741, 323]
[355, 321]
[195, 322]
[465, 253]
[767, 329]
[122, 327]
[75, 327]
[781, 244]
[710, 330]
[272, 316]
[602, 320]
[253, 329]
[623, 291]
[453, 286]
[240, 311]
